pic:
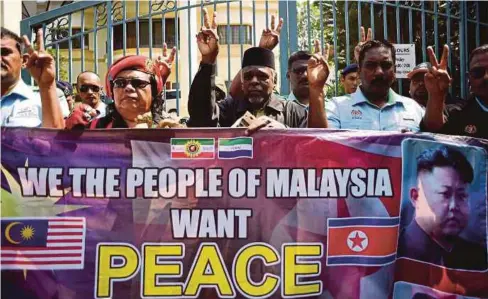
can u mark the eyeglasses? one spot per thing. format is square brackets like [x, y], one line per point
[86, 87]
[478, 72]
[136, 83]
[385, 65]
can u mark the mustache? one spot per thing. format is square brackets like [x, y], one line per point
[379, 81]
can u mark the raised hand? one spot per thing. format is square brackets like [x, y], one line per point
[363, 40]
[81, 115]
[437, 80]
[164, 63]
[317, 68]
[208, 39]
[40, 64]
[271, 36]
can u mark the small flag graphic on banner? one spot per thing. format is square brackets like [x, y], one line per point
[362, 241]
[195, 148]
[233, 148]
[43, 243]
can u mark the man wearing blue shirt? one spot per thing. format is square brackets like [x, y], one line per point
[374, 106]
[20, 106]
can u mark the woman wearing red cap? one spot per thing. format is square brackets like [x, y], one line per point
[135, 83]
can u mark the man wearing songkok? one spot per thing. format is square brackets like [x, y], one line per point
[258, 81]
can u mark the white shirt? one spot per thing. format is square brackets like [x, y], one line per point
[102, 109]
[21, 107]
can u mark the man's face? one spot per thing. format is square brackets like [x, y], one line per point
[478, 75]
[442, 203]
[257, 83]
[377, 72]
[350, 82]
[418, 92]
[297, 74]
[89, 88]
[11, 61]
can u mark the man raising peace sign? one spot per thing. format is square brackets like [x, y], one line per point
[468, 119]
[20, 105]
[374, 105]
[258, 79]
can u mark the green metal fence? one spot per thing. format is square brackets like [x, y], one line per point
[87, 35]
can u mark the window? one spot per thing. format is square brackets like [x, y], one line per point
[235, 34]
[157, 36]
[75, 41]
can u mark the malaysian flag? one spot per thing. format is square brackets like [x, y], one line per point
[43, 243]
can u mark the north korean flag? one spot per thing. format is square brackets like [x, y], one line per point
[362, 241]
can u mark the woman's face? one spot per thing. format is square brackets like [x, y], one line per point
[132, 94]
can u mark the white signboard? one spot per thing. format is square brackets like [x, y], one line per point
[405, 59]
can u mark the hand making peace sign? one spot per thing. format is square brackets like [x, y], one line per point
[208, 39]
[271, 36]
[40, 64]
[363, 40]
[318, 69]
[437, 80]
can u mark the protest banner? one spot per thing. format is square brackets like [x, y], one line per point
[208, 213]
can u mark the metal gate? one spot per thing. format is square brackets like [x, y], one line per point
[90, 35]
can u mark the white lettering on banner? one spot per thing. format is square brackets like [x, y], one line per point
[170, 183]
[332, 183]
[405, 59]
[209, 223]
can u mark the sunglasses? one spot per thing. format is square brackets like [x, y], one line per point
[136, 83]
[478, 72]
[372, 65]
[86, 87]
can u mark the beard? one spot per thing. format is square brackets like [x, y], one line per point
[257, 100]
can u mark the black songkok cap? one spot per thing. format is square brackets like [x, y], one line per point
[259, 57]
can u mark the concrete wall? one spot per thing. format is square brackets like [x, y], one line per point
[11, 14]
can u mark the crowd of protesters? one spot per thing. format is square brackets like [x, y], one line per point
[135, 86]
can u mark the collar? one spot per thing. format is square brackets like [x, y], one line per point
[293, 98]
[417, 231]
[483, 107]
[393, 98]
[20, 89]
[273, 103]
